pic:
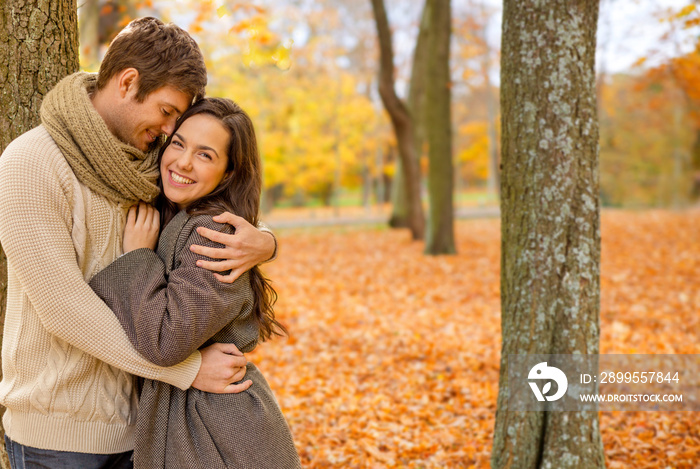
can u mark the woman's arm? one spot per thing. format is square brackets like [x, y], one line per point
[168, 317]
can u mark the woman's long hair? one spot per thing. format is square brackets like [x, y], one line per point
[238, 193]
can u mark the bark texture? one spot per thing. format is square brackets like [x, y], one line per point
[38, 47]
[438, 124]
[401, 121]
[550, 261]
[416, 106]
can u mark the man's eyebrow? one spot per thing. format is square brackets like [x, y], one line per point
[165, 103]
[199, 147]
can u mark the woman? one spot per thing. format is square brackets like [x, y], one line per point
[169, 307]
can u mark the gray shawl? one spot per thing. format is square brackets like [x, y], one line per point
[169, 307]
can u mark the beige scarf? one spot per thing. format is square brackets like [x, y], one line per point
[108, 166]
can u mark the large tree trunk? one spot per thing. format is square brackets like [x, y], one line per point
[550, 258]
[38, 47]
[401, 121]
[440, 238]
[416, 106]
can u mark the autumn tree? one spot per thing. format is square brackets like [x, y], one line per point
[401, 121]
[38, 47]
[438, 125]
[416, 106]
[550, 245]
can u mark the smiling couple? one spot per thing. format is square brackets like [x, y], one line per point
[112, 306]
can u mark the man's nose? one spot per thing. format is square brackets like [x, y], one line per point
[169, 126]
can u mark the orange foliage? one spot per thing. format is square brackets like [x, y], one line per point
[393, 356]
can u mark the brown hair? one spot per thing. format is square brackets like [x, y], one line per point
[238, 192]
[163, 54]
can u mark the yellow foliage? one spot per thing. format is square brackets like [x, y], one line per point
[474, 158]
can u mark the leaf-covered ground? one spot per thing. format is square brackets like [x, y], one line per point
[393, 356]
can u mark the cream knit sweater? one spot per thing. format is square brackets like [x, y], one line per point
[67, 363]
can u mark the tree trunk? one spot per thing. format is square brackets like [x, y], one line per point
[401, 121]
[416, 105]
[440, 238]
[550, 245]
[38, 47]
[494, 180]
[399, 199]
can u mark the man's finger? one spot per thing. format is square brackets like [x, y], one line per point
[212, 253]
[216, 236]
[217, 266]
[239, 375]
[231, 277]
[228, 217]
[234, 388]
[230, 349]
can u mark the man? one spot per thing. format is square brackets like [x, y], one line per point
[68, 366]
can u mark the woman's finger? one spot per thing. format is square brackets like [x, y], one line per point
[148, 219]
[155, 223]
[131, 216]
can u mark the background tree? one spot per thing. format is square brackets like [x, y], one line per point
[550, 245]
[416, 107]
[38, 47]
[438, 125]
[401, 121]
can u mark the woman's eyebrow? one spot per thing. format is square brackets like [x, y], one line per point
[199, 147]
[204, 147]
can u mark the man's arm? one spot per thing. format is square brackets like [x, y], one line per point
[246, 248]
[35, 232]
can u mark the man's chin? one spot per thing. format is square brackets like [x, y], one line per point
[146, 147]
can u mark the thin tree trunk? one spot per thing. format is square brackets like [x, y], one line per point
[440, 237]
[38, 47]
[494, 180]
[401, 121]
[399, 199]
[416, 106]
[550, 245]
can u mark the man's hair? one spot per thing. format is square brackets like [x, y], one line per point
[163, 54]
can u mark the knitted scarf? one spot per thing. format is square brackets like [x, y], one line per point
[108, 166]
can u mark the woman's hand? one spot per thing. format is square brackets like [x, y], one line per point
[142, 227]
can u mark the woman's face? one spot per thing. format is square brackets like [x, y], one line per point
[195, 162]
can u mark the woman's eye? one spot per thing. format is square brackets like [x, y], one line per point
[176, 143]
[165, 113]
[206, 155]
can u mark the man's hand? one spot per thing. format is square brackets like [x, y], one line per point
[222, 365]
[245, 249]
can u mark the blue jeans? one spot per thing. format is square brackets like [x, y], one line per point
[27, 457]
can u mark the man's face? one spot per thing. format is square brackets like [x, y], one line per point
[141, 123]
